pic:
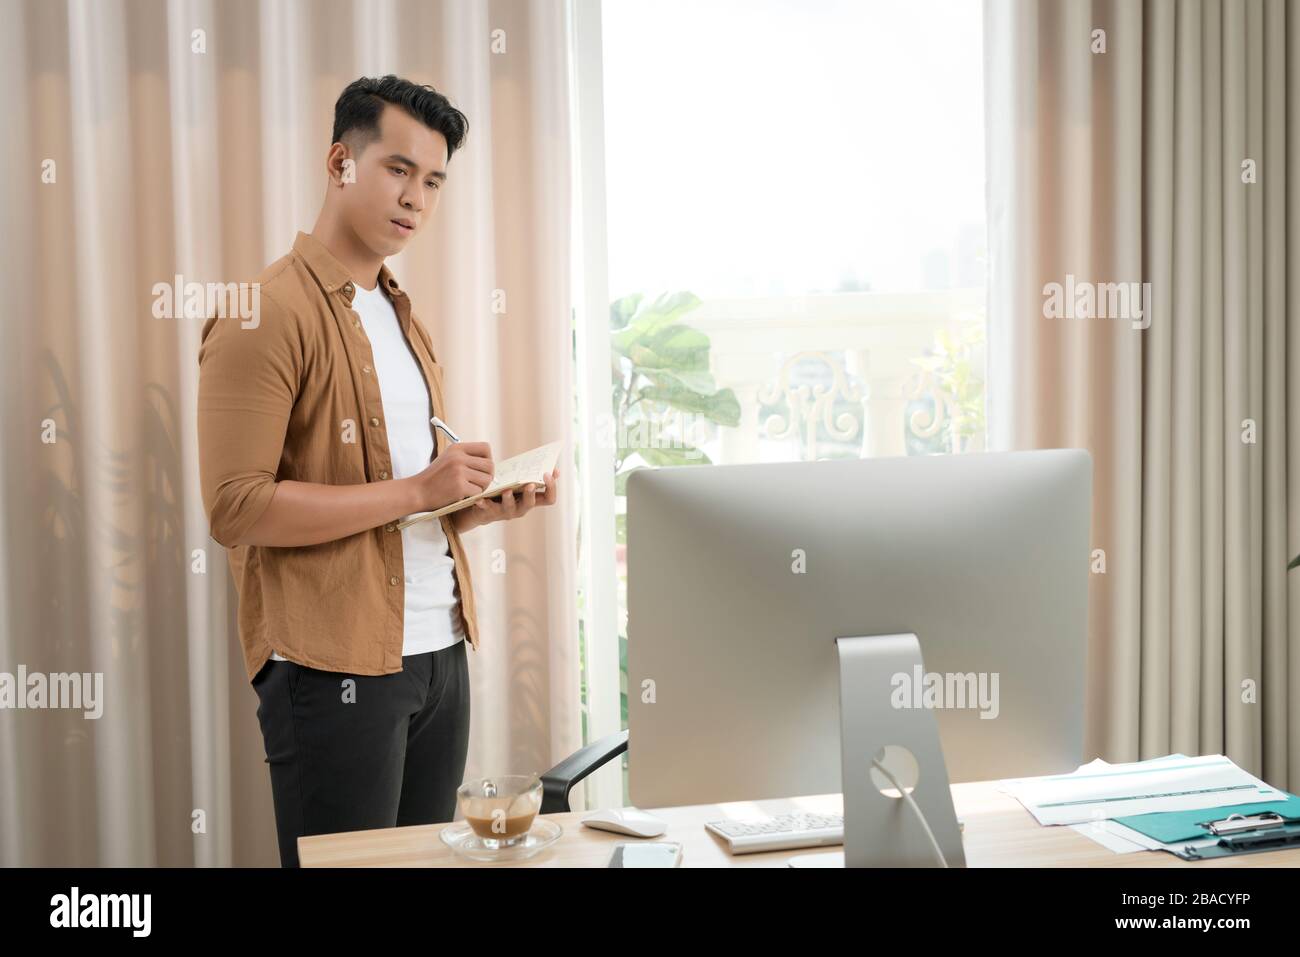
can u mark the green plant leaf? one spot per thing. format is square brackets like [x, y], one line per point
[678, 347]
[674, 380]
[622, 310]
[651, 316]
[1294, 562]
[642, 357]
[721, 406]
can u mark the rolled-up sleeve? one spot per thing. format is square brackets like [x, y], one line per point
[249, 377]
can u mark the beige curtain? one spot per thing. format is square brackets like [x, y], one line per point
[1164, 157]
[188, 137]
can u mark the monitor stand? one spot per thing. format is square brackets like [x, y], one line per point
[881, 830]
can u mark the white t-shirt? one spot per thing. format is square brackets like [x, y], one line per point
[431, 617]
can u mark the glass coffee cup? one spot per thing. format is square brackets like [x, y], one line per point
[501, 809]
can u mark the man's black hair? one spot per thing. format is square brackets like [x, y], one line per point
[358, 107]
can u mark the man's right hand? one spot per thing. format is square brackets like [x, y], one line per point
[461, 470]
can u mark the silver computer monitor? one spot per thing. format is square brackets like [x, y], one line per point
[741, 577]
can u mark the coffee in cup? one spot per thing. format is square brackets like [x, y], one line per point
[501, 809]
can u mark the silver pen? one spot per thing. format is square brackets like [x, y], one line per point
[454, 437]
[438, 423]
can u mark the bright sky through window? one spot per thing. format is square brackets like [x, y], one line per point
[775, 147]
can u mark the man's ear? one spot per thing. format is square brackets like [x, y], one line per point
[340, 165]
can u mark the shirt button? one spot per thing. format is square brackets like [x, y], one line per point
[391, 526]
[393, 580]
[383, 475]
[347, 288]
[373, 420]
[366, 369]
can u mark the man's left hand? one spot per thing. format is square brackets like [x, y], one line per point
[514, 504]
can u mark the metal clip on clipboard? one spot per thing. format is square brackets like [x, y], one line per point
[1237, 823]
[1245, 834]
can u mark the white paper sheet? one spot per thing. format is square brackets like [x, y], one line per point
[1110, 836]
[1099, 791]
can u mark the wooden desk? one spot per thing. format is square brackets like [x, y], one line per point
[998, 833]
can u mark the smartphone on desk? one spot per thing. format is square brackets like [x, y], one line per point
[642, 854]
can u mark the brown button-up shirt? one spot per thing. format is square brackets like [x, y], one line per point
[292, 393]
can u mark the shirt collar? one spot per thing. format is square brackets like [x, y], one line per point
[387, 281]
[331, 273]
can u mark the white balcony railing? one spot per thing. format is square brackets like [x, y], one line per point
[833, 375]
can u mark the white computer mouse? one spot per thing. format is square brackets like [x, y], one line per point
[625, 820]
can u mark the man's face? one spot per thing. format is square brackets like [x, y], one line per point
[399, 178]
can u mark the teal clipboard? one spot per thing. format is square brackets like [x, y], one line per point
[1170, 827]
[1285, 837]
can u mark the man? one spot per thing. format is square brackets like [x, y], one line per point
[315, 438]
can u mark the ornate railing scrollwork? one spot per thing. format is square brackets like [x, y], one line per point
[919, 423]
[810, 406]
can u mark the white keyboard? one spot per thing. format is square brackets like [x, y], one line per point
[780, 832]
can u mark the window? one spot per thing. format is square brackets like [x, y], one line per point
[794, 208]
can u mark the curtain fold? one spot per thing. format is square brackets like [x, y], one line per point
[188, 137]
[1152, 143]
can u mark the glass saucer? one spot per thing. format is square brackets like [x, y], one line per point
[460, 837]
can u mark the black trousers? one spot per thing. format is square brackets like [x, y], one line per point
[352, 752]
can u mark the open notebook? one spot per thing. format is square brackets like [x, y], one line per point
[513, 473]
